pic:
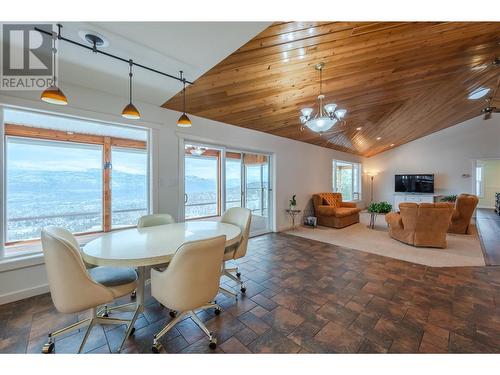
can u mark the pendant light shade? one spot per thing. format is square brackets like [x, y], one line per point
[54, 94]
[130, 111]
[184, 121]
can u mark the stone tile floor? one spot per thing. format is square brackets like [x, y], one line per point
[303, 296]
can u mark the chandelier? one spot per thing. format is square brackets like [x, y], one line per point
[327, 115]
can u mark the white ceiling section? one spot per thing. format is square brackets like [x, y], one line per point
[193, 47]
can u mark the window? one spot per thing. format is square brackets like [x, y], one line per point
[347, 180]
[79, 181]
[129, 186]
[480, 181]
[233, 180]
[202, 172]
[52, 183]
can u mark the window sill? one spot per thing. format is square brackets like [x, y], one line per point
[11, 263]
[24, 255]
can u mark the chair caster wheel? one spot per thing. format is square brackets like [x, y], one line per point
[213, 344]
[132, 331]
[238, 275]
[243, 289]
[217, 311]
[156, 348]
[133, 295]
[172, 313]
[105, 315]
[48, 348]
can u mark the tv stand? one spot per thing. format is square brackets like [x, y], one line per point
[411, 197]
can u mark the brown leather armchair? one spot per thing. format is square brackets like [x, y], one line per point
[423, 225]
[332, 212]
[464, 209]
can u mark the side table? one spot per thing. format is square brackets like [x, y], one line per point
[293, 213]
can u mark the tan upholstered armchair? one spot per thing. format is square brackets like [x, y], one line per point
[423, 225]
[464, 209]
[332, 212]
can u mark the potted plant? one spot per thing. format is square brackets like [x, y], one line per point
[449, 198]
[293, 203]
[379, 207]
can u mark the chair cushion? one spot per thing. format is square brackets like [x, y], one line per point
[346, 211]
[113, 276]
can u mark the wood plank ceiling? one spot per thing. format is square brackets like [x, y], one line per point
[398, 81]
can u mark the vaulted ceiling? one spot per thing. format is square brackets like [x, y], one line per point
[399, 81]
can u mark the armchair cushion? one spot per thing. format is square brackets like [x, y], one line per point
[346, 211]
[348, 204]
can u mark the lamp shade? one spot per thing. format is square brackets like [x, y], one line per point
[131, 112]
[54, 95]
[184, 121]
[321, 124]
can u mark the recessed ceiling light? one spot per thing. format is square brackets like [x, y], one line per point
[359, 128]
[479, 93]
[379, 138]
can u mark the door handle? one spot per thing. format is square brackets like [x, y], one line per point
[185, 198]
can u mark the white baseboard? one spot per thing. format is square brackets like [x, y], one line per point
[483, 206]
[24, 293]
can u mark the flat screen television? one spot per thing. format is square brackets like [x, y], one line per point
[414, 183]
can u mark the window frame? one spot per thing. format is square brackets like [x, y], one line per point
[106, 142]
[354, 165]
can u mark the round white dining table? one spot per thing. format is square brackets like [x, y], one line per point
[152, 246]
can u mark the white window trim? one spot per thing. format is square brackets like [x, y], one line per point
[479, 193]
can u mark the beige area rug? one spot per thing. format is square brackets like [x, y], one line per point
[462, 250]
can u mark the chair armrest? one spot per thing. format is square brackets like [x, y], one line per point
[394, 219]
[325, 210]
[348, 204]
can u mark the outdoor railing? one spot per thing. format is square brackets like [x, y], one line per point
[71, 214]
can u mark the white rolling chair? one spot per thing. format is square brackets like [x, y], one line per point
[189, 283]
[74, 288]
[242, 218]
[154, 220]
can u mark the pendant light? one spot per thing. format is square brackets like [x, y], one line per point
[130, 111]
[184, 121]
[54, 94]
[326, 116]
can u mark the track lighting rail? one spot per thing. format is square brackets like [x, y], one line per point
[96, 50]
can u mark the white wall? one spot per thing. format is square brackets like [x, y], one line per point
[299, 168]
[449, 154]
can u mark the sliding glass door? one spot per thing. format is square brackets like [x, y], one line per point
[256, 190]
[216, 179]
[201, 182]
